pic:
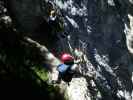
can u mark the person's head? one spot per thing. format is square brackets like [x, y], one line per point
[52, 13]
[6, 21]
[67, 59]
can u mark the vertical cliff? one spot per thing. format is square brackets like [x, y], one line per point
[102, 29]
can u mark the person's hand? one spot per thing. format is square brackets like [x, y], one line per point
[78, 61]
[78, 53]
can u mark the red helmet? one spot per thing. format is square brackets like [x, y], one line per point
[66, 57]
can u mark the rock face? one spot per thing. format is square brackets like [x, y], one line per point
[29, 12]
[103, 29]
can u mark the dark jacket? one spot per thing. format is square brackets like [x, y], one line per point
[65, 72]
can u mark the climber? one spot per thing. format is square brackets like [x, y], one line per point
[55, 23]
[68, 67]
[53, 20]
[52, 15]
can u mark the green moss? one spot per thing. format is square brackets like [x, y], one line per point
[41, 72]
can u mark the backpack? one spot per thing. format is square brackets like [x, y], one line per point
[64, 72]
[62, 68]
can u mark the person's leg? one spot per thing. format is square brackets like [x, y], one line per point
[59, 79]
